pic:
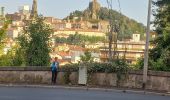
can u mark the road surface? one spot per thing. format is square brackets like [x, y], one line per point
[21, 93]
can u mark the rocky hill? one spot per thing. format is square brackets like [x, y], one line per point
[95, 13]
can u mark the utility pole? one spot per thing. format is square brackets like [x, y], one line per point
[145, 69]
[109, 2]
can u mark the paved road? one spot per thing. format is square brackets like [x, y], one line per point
[20, 93]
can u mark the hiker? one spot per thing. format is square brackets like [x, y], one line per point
[54, 67]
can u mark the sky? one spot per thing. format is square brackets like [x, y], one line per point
[135, 9]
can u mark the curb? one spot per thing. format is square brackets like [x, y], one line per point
[87, 89]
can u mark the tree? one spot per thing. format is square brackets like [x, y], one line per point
[5, 59]
[161, 51]
[3, 33]
[19, 57]
[78, 39]
[3, 29]
[87, 57]
[162, 24]
[35, 43]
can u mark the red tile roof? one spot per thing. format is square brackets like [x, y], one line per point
[77, 48]
[64, 54]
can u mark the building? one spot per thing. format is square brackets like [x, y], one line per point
[24, 9]
[52, 20]
[12, 33]
[60, 26]
[95, 45]
[82, 32]
[63, 57]
[131, 50]
[76, 52]
[62, 35]
[15, 17]
[67, 53]
[96, 56]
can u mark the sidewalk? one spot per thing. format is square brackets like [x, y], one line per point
[137, 91]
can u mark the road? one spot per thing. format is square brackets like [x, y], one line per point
[21, 93]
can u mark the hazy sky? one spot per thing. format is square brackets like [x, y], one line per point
[136, 9]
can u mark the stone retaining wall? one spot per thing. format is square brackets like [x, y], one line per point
[33, 75]
[159, 81]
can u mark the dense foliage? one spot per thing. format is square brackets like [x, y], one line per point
[87, 57]
[92, 67]
[3, 33]
[5, 60]
[78, 39]
[35, 43]
[160, 54]
[3, 30]
[127, 26]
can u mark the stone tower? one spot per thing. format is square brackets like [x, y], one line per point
[2, 14]
[94, 7]
[34, 12]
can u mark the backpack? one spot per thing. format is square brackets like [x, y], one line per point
[54, 66]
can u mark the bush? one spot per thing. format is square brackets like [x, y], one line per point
[101, 67]
[119, 67]
[116, 66]
[69, 67]
[160, 64]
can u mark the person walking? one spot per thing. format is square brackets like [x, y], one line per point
[54, 69]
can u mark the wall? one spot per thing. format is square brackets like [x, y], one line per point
[159, 81]
[32, 75]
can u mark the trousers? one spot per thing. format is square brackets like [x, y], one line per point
[54, 77]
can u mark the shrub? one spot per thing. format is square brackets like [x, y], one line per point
[116, 66]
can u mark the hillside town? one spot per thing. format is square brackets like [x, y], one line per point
[131, 49]
[84, 49]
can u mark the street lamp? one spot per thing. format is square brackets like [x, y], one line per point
[145, 69]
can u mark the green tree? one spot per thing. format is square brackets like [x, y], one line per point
[35, 43]
[75, 14]
[5, 59]
[87, 57]
[19, 57]
[3, 29]
[60, 40]
[78, 39]
[3, 33]
[160, 54]
[8, 59]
